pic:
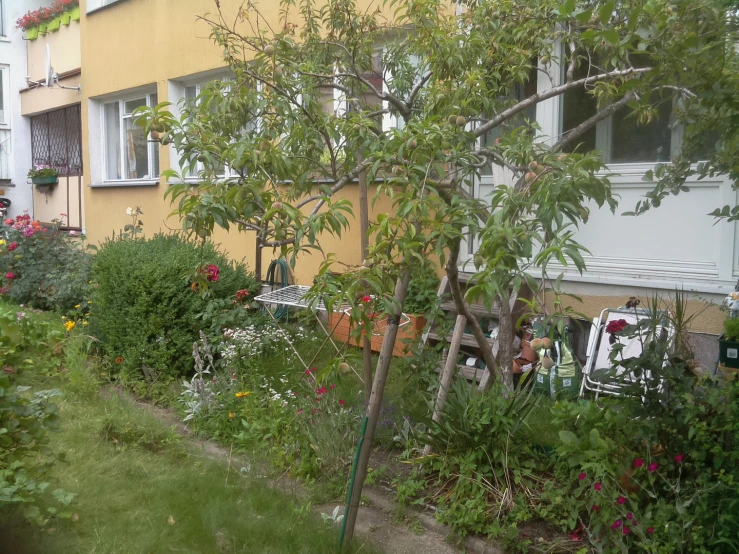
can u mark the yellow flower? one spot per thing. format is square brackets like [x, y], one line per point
[69, 325]
[242, 394]
[84, 323]
[230, 415]
[89, 301]
[2, 242]
[77, 306]
[89, 282]
[64, 317]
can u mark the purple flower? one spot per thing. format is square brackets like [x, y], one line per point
[679, 458]
[652, 467]
[582, 476]
[28, 231]
[616, 524]
[639, 462]
[621, 500]
[598, 486]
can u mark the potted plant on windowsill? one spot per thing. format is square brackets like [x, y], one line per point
[43, 176]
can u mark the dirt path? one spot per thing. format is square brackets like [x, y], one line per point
[376, 521]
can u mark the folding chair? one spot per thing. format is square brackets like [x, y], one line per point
[599, 374]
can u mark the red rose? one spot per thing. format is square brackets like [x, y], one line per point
[10, 275]
[12, 246]
[616, 326]
[212, 273]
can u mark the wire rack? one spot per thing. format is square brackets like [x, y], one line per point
[293, 295]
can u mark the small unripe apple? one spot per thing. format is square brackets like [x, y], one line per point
[547, 362]
[154, 135]
[562, 157]
[366, 263]
[479, 260]
[544, 60]
[452, 120]
[530, 176]
[160, 128]
[277, 72]
[533, 166]
[478, 27]
[202, 233]
[201, 158]
[397, 170]
[413, 144]
[357, 127]
[535, 344]
[461, 121]
[344, 368]
[546, 343]
[270, 50]
[277, 206]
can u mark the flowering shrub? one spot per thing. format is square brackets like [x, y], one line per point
[42, 170]
[144, 310]
[34, 18]
[42, 267]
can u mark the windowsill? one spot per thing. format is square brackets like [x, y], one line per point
[101, 8]
[4, 39]
[129, 183]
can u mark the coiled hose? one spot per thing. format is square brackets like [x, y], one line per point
[282, 311]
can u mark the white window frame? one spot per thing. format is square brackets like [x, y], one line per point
[7, 112]
[93, 5]
[122, 116]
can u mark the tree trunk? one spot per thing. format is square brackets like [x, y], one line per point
[452, 273]
[373, 413]
[505, 342]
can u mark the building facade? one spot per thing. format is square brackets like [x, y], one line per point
[139, 52]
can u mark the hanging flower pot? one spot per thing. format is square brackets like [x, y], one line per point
[51, 180]
[42, 28]
[32, 33]
[54, 25]
[75, 13]
[65, 18]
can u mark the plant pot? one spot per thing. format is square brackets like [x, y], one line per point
[728, 352]
[45, 180]
[65, 18]
[42, 29]
[32, 34]
[339, 325]
[54, 25]
[75, 14]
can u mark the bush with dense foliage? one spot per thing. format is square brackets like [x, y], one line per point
[42, 267]
[147, 299]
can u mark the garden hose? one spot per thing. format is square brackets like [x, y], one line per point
[282, 311]
[351, 482]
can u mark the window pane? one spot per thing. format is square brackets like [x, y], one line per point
[2, 90]
[631, 142]
[131, 105]
[112, 125]
[136, 151]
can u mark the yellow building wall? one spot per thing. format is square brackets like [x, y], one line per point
[64, 46]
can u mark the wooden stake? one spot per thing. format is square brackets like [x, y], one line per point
[448, 373]
[364, 230]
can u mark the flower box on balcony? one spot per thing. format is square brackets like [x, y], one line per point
[51, 180]
[75, 14]
[32, 34]
[65, 18]
[54, 25]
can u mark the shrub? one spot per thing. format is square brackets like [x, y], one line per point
[42, 267]
[422, 292]
[731, 329]
[145, 308]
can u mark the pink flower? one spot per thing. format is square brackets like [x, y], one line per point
[678, 459]
[621, 500]
[582, 476]
[595, 508]
[300, 410]
[366, 299]
[10, 275]
[626, 530]
[332, 387]
[314, 411]
[639, 462]
[12, 246]
[9, 221]
[321, 390]
[616, 524]
[342, 403]
[629, 516]
[650, 530]
[28, 231]
[653, 467]
[598, 486]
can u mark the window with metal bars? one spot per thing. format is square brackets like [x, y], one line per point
[56, 140]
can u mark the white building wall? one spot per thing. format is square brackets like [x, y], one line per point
[15, 138]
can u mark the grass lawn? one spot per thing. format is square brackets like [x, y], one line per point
[143, 489]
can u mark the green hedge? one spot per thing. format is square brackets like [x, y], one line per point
[144, 310]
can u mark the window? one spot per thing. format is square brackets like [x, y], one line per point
[4, 96]
[620, 138]
[129, 155]
[2, 19]
[56, 140]
[95, 4]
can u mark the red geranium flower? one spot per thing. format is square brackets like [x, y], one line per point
[10, 275]
[366, 299]
[598, 486]
[679, 458]
[342, 403]
[595, 508]
[653, 467]
[621, 500]
[626, 530]
[639, 462]
[616, 524]
[582, 476]
[650, 530]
